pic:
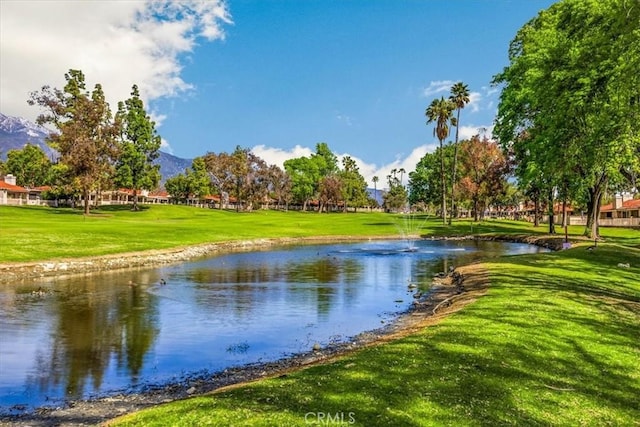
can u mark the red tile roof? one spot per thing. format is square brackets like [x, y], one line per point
[627, 205]
[12, 188]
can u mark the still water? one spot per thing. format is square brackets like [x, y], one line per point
[115, 332]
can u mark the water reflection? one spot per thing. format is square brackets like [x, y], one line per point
[77, 337]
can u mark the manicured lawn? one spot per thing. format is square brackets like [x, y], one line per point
[38, 233]
[555, 341]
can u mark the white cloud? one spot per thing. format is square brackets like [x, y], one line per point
[277, 156]
[474, 101]
[115, 43]
[437, 87]
[466, 132]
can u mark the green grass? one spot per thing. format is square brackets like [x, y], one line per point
[555, 341]
[39, 233]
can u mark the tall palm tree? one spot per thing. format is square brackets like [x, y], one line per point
[402, 172]
[460, 97]
[440, 111]
[375, 180]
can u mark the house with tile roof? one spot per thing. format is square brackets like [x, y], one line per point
[624, 211]
[12, 194]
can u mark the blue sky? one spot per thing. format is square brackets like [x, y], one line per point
[274, 76]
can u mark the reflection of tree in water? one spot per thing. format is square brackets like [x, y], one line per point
[96, 321]
[242, 285]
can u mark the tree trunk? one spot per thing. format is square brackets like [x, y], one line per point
[536, 209]
[453, 172]
[550, 211]
[593, 207]
[135, 200]
[444, 186]
[476, 215]
[85, 194]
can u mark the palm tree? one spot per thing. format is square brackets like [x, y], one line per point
[460, 97]
[375, 180]
[440, 111]
[402, 172]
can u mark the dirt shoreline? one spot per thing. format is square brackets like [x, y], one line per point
[448, 294]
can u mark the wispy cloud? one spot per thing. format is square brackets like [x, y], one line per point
[475, 99]
[343, 118]
[436, 87]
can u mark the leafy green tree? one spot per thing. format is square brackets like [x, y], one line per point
[178, 187]
[305, 177]
[460, 98]
[139, 147]
[198, 178]
[354, 186]
[568, 97]
[327, 161]
[30, 165]
[86, 137]
[440, 111]
[425, 185]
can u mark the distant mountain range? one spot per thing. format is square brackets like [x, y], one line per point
[16, 132]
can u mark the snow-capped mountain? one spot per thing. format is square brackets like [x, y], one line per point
[16, 132]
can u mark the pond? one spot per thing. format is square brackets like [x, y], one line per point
[88, 336]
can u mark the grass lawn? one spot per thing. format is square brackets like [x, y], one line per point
[40, 233]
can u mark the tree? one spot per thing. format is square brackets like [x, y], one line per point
[326, 159]
[218, 167]
[375, 180]
[425, 185]
[279, 186]
[139, 147]
[459, 97]
[441, 112]
[198, 178]
[30, 166]
[395, 199]
[568, 97]
[354, 186]
[330, 192]
[484, 171]
[178, 187]
[86, 137]
[305, 176]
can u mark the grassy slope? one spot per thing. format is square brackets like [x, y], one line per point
[36, 233]
[554, 342]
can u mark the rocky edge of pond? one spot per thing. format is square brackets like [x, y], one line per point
[448, 293]
[21, 272]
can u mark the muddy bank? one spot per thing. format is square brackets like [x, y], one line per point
[448, 294]
[30, 271]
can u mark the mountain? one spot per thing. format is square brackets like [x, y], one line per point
[16, 132]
